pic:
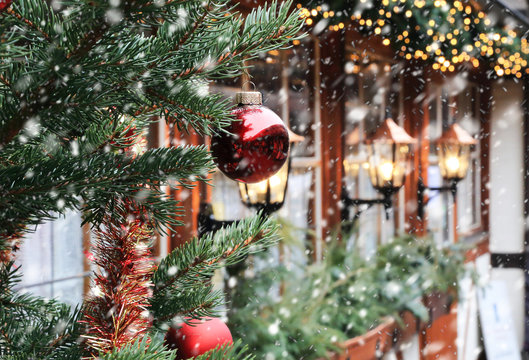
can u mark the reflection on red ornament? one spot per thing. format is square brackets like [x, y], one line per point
[256, 147]
[198, 337]
[4, 4]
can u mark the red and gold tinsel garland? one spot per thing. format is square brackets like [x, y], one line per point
[116, 313]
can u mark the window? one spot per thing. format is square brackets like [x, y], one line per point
[469, 189]
[52, 260]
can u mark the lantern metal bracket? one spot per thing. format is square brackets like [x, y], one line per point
[349, 202]
[207, 223]
[421, 190]
[266, 208]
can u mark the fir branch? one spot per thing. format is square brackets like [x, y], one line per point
[33, 104]
[190, 111]
[141, 349]
[88, 41]
[33, 325]
[5, 81]
[233, 352]
[31, 24]
[184, 39]
[194, 303]
[186, 108]
[148, 349]
[265, 28]
[167, 2]
[196, 261]
[31, 197]
[189, 34]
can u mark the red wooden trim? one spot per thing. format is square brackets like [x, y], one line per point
[473, 232]
[205, 190]
[409, 328]
[484, 136]
[416, 124]
[153, 141]
[189, 199]
[368, 45]
[480, 249]
[313, 89]
[332, 117]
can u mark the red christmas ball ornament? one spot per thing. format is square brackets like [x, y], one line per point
[257, 145]
[198, 337]
[4, 4]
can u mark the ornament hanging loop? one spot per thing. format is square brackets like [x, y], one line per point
[245, 86]
[248, 96]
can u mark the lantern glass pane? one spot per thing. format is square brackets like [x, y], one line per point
[278, 183]
[453, 160]
[387, 165]
[351, 166]
[256, 193]
[353, 161]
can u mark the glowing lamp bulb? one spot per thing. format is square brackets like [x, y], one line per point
[275, 181]
[452, 163]
[386, 170]
[257, 189]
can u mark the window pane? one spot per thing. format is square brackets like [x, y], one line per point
[35, 259]
[296, 212]
[225, 199]
[301, 117]
[52, 254]
[437, 208]
[266, 75]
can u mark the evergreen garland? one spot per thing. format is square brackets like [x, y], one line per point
[321, 305]
[443, 33]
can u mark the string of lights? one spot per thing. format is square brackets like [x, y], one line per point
[443, 33]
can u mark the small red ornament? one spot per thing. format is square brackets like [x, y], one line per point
[198, 337]
[4, 4]
[257, 145]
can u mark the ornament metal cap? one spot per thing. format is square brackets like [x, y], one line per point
[249, 98]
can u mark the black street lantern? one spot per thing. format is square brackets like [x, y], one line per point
[388, 154]
[453, 150]
[387, 164]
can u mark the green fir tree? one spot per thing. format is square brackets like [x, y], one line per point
[80, 81]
